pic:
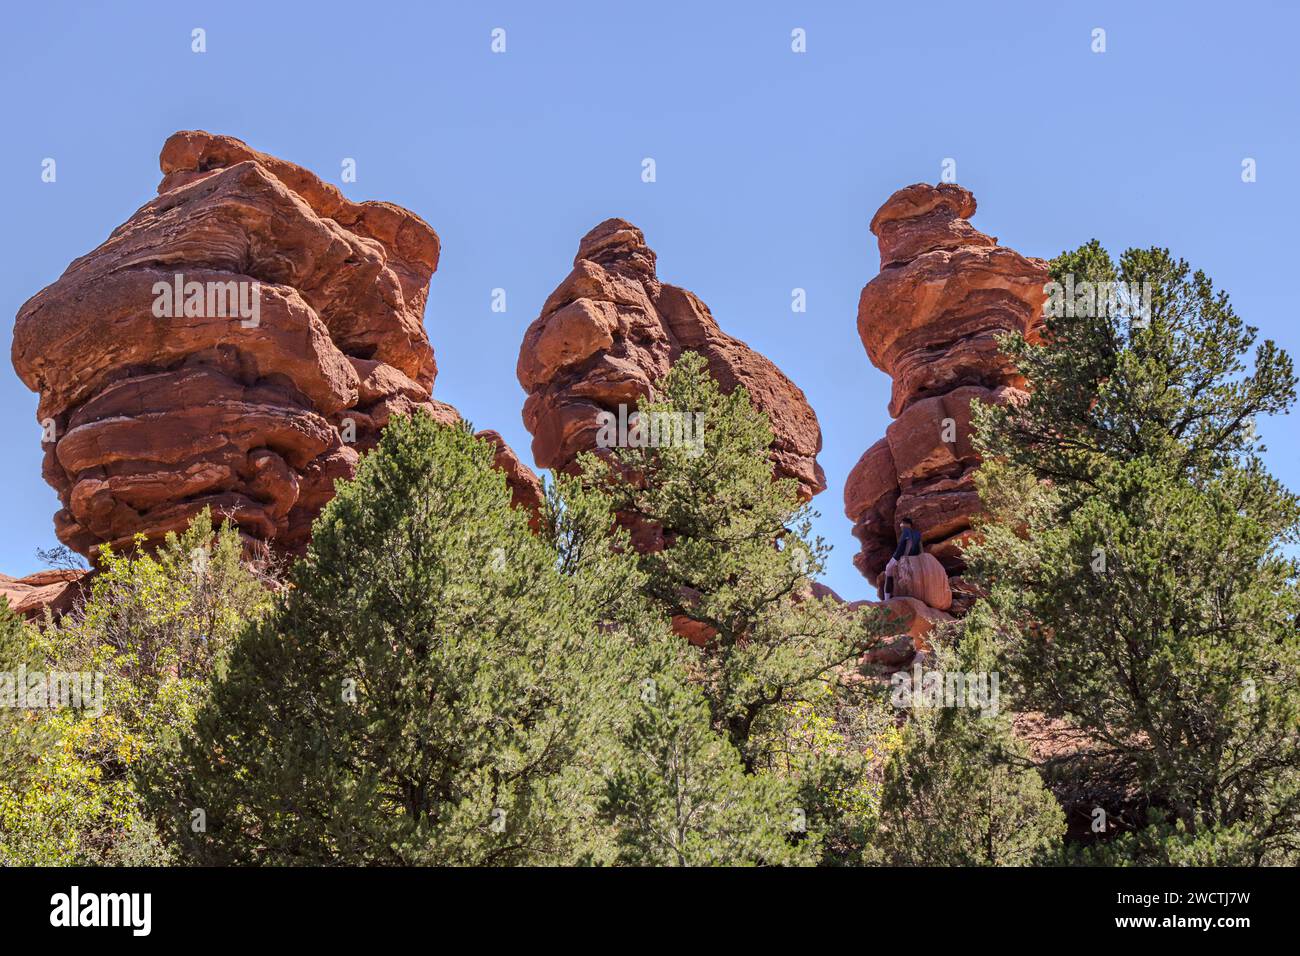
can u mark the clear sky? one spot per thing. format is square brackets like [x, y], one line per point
[770, 164]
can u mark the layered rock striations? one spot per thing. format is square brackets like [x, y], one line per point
[931, 320]
[235, 345]
[608, 333]
[56, 589]
[612, 328]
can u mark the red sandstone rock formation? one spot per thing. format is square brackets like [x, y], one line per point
[30, 596]
[921, 576]
[525, 487]
[612, 328]
[235, 344]
[908, 621]
[608, 332]
[930, 320]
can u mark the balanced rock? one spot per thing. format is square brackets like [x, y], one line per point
[611, 329]
[234, 345]
[525, 487]
[921, 576]
[931, 320]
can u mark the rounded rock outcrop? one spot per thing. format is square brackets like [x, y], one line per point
[612, 328]
[236, 345]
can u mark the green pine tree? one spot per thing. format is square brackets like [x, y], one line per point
[678, 796]
[429, 689]
[739, 559]
[960, 790]
[1134, 558]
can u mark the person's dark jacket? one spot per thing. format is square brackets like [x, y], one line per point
[909, 543]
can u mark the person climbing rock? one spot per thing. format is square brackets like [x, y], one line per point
[909, 545]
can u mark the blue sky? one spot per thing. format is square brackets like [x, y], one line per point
[770, 164]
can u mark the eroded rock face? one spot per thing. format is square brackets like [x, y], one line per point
[236, 344]
[612, 328]
[930, 320]
[54, 589]
[908, 623]
[525, 487]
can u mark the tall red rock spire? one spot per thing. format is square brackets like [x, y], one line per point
[930, 320]
[612, 328]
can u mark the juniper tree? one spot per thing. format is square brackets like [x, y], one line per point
[660, 785]
[425, 691]
[738, 561]
[677, 795]
[1134, 557]
[959, 792]
[960, 789]
[1162, 379]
